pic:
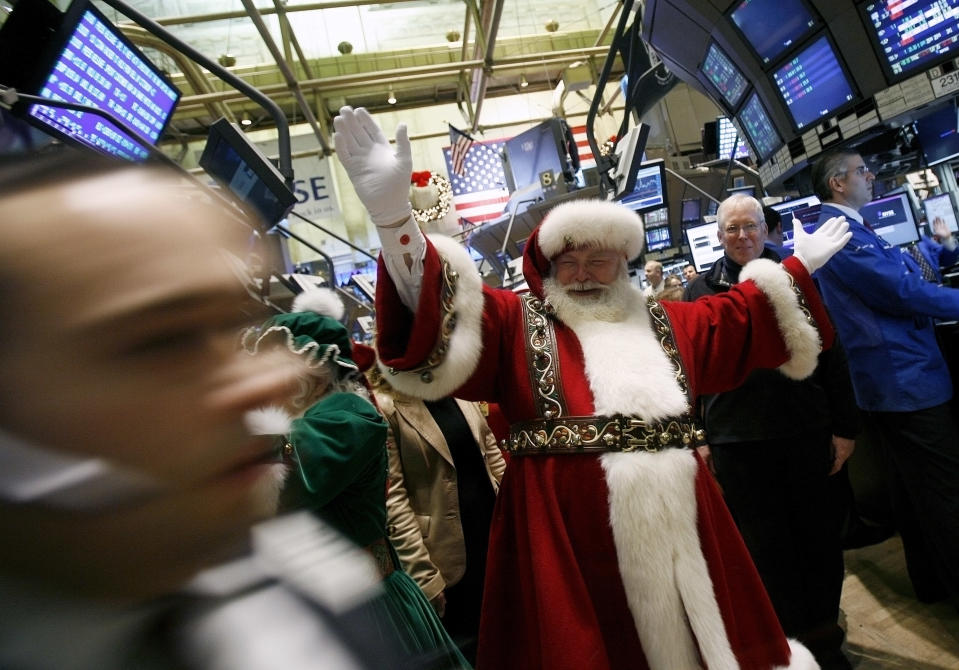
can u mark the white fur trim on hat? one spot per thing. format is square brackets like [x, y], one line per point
[800, 658]
[591, 223]
[269, 420]
[323, 301]
[801, 338]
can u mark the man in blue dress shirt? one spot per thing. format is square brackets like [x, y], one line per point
[884, 311]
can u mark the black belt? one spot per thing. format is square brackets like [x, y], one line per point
[583, 434]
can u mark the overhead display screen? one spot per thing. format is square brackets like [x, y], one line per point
[759, 127]
[912, 35]
[99, 68]
[773, 27]
[724, 75]
[813, 84]
[727, 135]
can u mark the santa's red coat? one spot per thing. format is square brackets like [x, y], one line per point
[615, 560]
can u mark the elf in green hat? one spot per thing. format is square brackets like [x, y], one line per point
[336, 454]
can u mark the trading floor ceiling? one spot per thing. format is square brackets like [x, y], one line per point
[313, 57]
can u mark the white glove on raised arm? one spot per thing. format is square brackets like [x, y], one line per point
[814, 249]
[380, 175]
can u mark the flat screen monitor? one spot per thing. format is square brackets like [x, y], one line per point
[941, 206]
[807, 215]
[241, 167]
[787, 207]
[630, 153]
[724, 75]
[759, 128]
[704, 245]
[892, 219]
[813, 84]
[728, 135]
[658, 238]
[938, 136]
[773, 27]
[711, 208]
[650, 190]
[80, 57]
[691, 211]
[909, 37]
[749, 190]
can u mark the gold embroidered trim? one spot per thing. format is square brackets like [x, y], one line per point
[801, 299]
[582, 434]
[667, 341]
[542, 359]
[447, 326]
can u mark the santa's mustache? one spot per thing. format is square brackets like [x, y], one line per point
[586, 286]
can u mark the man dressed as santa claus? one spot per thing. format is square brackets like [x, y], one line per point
[610, 545]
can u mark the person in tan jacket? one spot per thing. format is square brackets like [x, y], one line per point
[445, 469]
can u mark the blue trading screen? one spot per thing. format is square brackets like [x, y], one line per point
[772, 27]
[98, 69]
[757, 124]
[724, 75]
[914, 34]
[892, 219]
[813, 84]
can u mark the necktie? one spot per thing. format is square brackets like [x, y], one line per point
[925, 267]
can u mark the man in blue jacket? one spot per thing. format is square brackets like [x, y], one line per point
[884, 312]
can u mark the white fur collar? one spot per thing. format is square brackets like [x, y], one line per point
[628, 370]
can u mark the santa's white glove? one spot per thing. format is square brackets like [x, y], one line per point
[814, 249]
[380, 176]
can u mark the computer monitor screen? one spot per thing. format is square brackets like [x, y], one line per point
[910, 37]
[941, 207]
[724, 75]
[241, 167]
[630, 152]
[711, 208]
[691, 211]
[759, 127]
[704, 245]
[773, 27]
[727, 135]
[938, 136]
[808, 215]
[787, 207]
[85, 59]
[813, 84]
[892, 219]
[749, 190]
[650, 190]
[658, 238]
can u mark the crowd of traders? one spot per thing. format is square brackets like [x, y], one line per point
[172, 500]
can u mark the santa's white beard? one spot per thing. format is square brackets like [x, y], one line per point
[611, 304]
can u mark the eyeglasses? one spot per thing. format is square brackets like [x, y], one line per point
[733, 231]
[861, 171]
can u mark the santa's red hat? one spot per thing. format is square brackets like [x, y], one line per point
[580, 224]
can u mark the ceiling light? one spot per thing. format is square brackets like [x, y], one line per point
[552, 26]
[522, 81]
[227, 60]
[453, 36]
[392, 98]
[246, 120]
[344, 47]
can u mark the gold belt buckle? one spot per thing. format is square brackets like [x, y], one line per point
[638, 436]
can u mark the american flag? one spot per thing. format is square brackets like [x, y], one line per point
[586, 159]
[461, 145]
[480, 193]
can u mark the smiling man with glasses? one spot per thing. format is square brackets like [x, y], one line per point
[884, 311]
[775, 473]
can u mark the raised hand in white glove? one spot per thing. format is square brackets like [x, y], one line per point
[380, 176]
[814, 249]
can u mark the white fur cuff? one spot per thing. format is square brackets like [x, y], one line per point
[466, 343]
[802, 339]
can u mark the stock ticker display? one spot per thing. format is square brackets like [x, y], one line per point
[759, 127]
[813, 84]
[98, 69]
[724, 75]
[912, 35]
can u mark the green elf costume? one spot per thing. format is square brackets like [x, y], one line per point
[337, 464]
